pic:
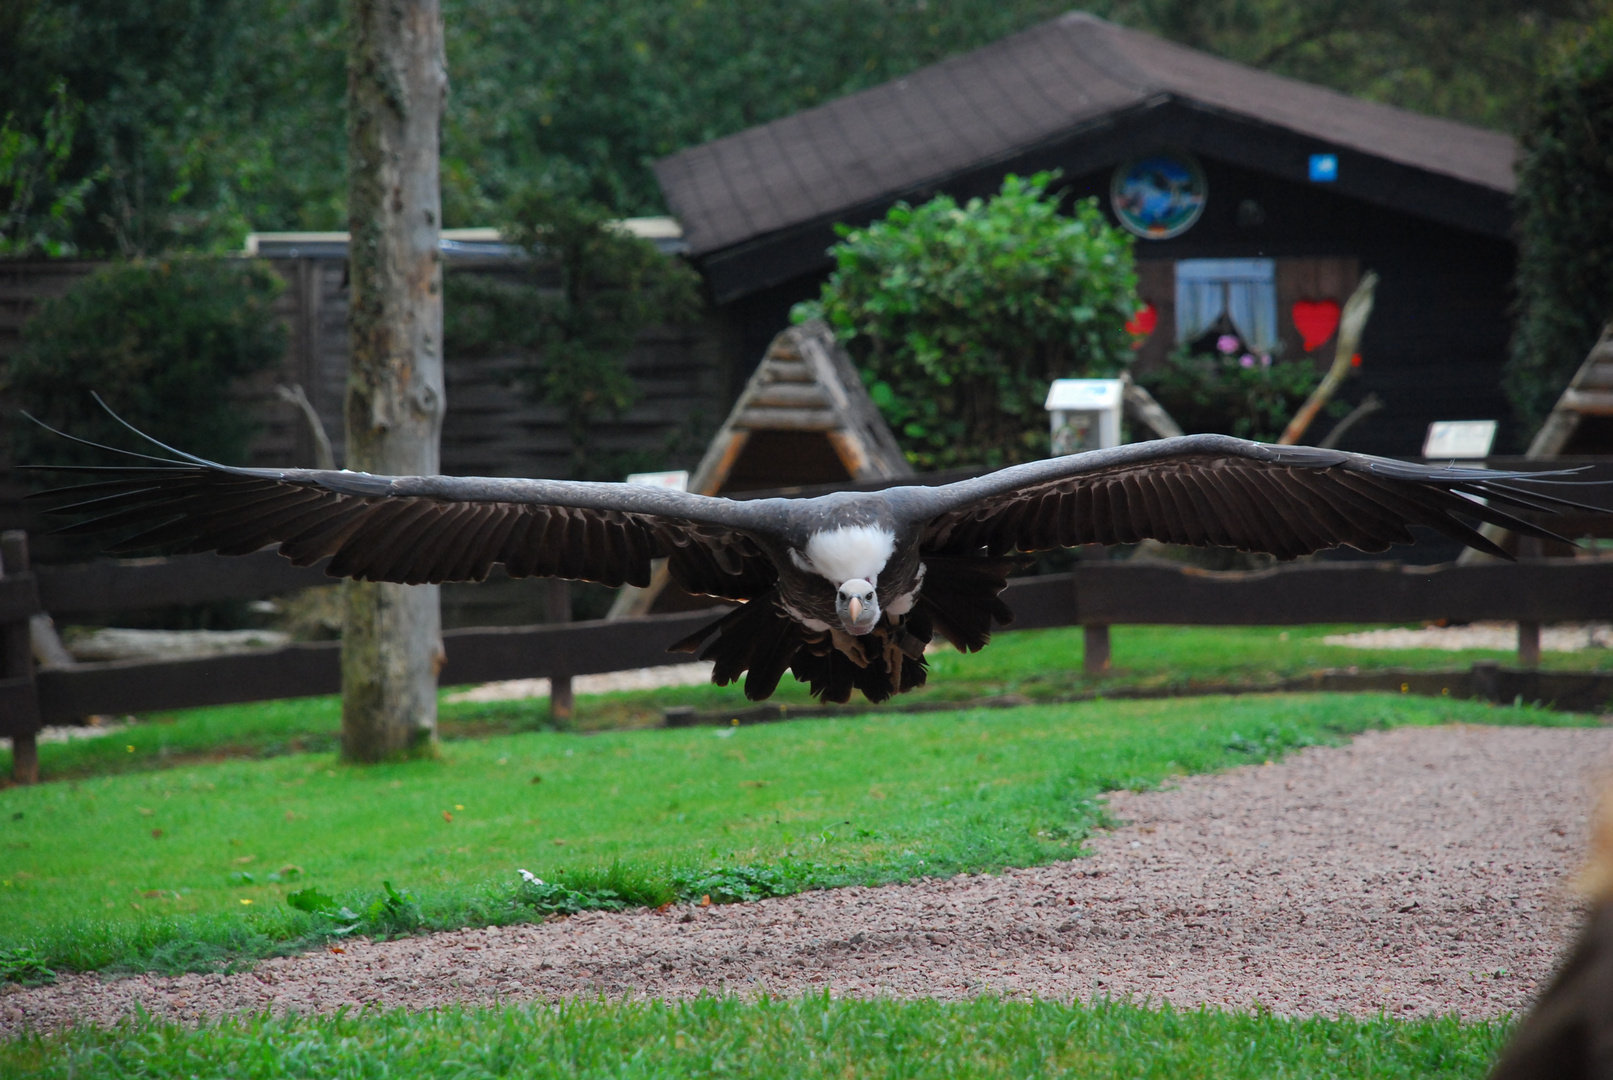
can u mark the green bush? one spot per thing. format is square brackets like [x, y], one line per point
[161, 342]
[1231, 392]
[960, 316]
[588, 290]
[1565, 226]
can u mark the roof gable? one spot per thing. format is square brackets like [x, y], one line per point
[996, 102]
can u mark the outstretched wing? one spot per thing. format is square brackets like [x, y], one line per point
[1214, 490]
[420, 529]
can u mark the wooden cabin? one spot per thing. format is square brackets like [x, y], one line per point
[1279, 194]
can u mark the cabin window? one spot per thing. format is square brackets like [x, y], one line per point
[1214, 296]
[1300, 282]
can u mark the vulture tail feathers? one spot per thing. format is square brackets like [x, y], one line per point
[831, 675]
[960, 598]
[828, 672]
[758, 638]
[770, 655]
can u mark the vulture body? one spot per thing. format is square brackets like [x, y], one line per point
[844, 590]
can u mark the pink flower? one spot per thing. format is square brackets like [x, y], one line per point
[1265, 360]
[1246, 360]
[1227, 343]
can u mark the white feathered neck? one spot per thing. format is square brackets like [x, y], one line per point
[851, 551]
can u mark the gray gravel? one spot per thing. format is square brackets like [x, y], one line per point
[1415, 871]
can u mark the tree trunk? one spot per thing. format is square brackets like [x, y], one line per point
[396, 84]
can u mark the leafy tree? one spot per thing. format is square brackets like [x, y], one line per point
[1565, 226]
[960, 316]
[210, 117]
[1470, 60]
[201, 115]
[40, 209]
[162, 342]
[588, 290]
[591, 94]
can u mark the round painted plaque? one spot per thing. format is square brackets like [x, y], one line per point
[1159, 195]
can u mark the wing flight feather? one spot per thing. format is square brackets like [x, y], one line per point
[417, 530]
[1219, 491]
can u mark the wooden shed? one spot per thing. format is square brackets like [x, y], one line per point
[803, 419]
[1294, 191]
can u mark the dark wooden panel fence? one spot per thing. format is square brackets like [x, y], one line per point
[1546, 591]
[108, 585]
[474, 656]
[1095, 595]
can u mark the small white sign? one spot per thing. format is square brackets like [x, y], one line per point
[1462, 440]
[1084, 414]
[1084, 394]
[675, 481]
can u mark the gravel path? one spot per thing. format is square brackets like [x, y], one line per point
[1416, 871]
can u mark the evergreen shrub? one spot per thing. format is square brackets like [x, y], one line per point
[960, 316]
[162, 342]
[1565, 226]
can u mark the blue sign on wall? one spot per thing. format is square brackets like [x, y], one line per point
[1324, 168]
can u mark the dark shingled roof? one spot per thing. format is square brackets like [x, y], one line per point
[1013, 95]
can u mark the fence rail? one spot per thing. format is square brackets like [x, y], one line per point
[303, 670]
[107, 585]
[1093, 595]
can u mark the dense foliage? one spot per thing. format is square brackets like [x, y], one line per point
[38, 206]
[1470, 60]
[1565, 226]
[1232, 392]
[960, 316]
[161, 342]
[586, 292]
[202, 119]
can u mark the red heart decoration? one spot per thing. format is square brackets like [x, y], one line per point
[1316, 320]
[1142, 324]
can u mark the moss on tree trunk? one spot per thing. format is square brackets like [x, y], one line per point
[396, 85]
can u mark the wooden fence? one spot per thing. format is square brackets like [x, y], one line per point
[1094, 595]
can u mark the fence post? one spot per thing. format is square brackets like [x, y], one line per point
[1095, 651]
[17, 667]
[1529, 550]
[557, 605]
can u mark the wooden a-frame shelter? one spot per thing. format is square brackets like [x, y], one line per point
[804, 418]
[1582, 420]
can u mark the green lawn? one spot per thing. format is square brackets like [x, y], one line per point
[1038, 664]
[183, 867]
[802, 1038]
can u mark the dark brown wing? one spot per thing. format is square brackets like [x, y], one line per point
[1213, 490]
[418, 530]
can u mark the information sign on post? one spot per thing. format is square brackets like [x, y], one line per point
[677, 480]
[1085, 414]
[1459, 440]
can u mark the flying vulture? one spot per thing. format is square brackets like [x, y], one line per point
[843, 590]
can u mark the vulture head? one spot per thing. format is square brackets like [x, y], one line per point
[857, 606]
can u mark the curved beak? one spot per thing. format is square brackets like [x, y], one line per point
[855, 606]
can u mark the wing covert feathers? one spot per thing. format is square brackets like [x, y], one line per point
[1222, 492]
[371, 533]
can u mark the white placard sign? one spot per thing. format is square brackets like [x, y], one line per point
[676, 481]
[1462, 440]
[1085, 414]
